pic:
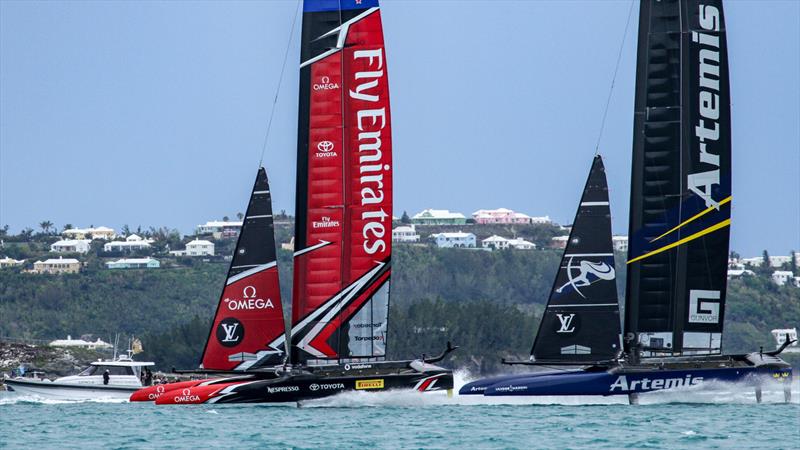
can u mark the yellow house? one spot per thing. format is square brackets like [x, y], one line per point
[56, 266]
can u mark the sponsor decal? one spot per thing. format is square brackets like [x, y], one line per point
[325, 149]
[230, 332]
[249, 301]
[707, 130]
[357, 366]
[647, 384]
[370, 121]
[368, 338]
[370, 384]
[324, 84]
[367, 325]
[565, 323]
[511, 388]
[282, 389]
[326, 387]
[701, 311]
[326, 222]
[588, 273]
[186, 396]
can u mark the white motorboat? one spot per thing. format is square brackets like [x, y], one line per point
[124, 379]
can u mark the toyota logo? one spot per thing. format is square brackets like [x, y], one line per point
[314, 387]
[325, 146]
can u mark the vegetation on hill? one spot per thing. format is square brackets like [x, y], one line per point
[489, 303]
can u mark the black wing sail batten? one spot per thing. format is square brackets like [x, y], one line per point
[581, 320]
[681, 181]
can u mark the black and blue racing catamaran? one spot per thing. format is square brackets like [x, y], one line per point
[680, 217]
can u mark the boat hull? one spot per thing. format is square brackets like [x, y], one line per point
[619, 381]
[64, 391]
[294, 388]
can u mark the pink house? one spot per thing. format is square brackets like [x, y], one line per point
[505, 215]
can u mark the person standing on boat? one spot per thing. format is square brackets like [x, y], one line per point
[106, 376]
[148, 377]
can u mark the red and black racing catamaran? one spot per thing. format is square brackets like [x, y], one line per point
[680, 217]
[342, 260]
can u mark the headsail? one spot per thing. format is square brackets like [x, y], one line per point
[248, 328]
[581, 321]
[344, 186]
[681, 180]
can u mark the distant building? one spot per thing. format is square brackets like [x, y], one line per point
[90, 233]
[134, 263]
[406, 233]
[500, 243]
[438, 217]
[505, 216]
[782, 277]
[288, 245]
[220, 229]
[739, 273]
[71, 246]
[620, 243]
[197, 247]
[10, 262]
[69, 342]
[132, 242]
[56, 266]
[452, 240]
[774, 261]
[559, 241]
[780, 335]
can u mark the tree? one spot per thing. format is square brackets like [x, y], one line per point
[225, 218]
[794, 263]
[45, 225]
[4, 231]
[404, 218]
[239, 216]
[765, 263]
[126, 230]
[68, 227]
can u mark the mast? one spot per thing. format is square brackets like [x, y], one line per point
[681, 181]
[248, 330]
[342, 260]
[581, 320]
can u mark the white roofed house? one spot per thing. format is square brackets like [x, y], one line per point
[405, 233]
[10, 262]
[559, 241]
[620, 243]
[57, 266]
[495, 242]
[784, 277]
[197, 247]
[220, 228]
[454, 240]
[134, 263]
[71, 246]
[438, 217]
[90, 233]
[131, 243]
[521, 244]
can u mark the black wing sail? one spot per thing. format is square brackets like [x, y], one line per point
[681, 181]
[581, 321]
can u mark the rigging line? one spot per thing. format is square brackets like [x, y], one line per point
[613, 80]
[280, 81]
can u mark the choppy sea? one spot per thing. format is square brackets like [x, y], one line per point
[725, 417]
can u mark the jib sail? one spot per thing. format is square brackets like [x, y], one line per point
[342, 258]
[681, 180]
[581, 322]
[248, 328]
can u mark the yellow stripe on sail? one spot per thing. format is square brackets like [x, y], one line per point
[694, 217]
[710, 229]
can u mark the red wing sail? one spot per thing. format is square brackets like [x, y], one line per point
[248, 329]
[344, 186]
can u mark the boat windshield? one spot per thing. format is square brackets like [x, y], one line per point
[112, 370]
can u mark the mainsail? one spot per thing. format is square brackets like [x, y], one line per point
[681, 180]
[248, 328]
[581, 321]
[344, 186]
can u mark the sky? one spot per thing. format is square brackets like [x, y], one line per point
[154, 113]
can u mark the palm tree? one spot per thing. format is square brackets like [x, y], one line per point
[239, 216]
[45, 226]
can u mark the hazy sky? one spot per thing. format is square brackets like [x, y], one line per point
[154, 113]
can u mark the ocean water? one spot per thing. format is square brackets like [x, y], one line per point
[725, 417]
